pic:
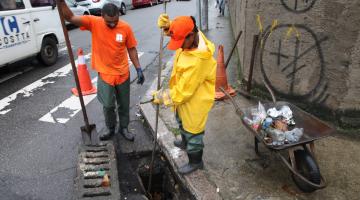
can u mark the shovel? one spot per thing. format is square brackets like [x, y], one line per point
[88, 132]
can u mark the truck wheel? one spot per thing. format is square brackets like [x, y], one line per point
[308, 168]
[49, 51]
[123, 9]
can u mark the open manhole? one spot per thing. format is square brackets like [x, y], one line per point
[134, 178]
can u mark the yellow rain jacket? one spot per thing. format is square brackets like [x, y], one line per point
[192, 85]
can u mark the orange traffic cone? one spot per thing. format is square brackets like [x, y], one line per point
[84, 77]
[221, 78]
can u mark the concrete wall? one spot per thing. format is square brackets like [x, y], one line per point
[312, 56]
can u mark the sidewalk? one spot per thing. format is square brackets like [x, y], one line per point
[232, 169]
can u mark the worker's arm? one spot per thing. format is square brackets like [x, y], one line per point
[68, 15]
[134, 57]
[183, 90]
[135, 60]
[185, 87]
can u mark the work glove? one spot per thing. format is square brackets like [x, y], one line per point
[164, 22]
[140, 76]
[162, 97]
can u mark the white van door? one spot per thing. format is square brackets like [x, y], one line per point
[47, 28]
[17, 39]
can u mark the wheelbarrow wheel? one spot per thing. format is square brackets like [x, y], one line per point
[307, 167]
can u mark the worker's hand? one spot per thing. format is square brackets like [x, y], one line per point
[140, 76]
[163, 21]
[162, 97]
[156, 97]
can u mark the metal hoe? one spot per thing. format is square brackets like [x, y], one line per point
[88, 132]
[157, 109]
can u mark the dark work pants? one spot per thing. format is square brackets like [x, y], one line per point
[194, 142]
[108, 95]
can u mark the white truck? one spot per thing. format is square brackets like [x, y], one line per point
[28, 28]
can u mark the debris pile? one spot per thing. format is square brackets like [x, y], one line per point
[276, 127]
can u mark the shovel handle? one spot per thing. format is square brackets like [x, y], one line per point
[72, 61]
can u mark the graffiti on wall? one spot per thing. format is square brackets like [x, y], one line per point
[294, 66]
[298, 6]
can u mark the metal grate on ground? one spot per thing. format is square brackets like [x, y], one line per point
[93, 162]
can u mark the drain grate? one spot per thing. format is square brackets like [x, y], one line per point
[93, 162]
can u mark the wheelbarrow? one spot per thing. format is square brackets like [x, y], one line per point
[301, 159]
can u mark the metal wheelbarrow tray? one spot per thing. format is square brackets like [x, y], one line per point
[301, 154]
[314, 128]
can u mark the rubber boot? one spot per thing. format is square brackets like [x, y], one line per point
[110, 121]
[195, 162]
[108, 135]
[127, 135]
[181, 143]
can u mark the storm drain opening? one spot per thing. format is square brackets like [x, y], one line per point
[164, 185]
[97, 172]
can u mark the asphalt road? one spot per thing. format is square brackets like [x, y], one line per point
[38, 150]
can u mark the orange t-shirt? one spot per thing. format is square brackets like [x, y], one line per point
[109, 48]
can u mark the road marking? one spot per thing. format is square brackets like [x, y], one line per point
[29, 90]
[71, 106]
[65, 48]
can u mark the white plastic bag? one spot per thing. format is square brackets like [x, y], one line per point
[294, 135]
[261, 111]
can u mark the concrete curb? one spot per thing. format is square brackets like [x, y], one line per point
[197, 182]
[88, 181]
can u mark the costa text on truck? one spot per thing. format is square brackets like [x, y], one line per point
[29, 28]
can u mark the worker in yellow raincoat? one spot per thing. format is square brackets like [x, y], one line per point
[192, 85]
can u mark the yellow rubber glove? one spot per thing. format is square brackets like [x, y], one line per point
[163, 21]
[156, 97]
[162, 97]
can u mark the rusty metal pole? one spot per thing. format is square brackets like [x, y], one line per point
[198, 14]
[89, 129]
[157, 110]
[253, 53]
[205, 15]
[233, 49]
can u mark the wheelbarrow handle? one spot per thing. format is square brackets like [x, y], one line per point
[237, 108]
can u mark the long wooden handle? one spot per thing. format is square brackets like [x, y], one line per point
[72, 61]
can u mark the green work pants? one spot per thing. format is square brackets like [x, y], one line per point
[108, 95]
[194, 142]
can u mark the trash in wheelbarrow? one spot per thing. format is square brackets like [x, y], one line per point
[258, 115]
[276, 127]
[279, 137]
[285, 112]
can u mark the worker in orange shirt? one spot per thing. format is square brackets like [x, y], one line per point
[112, 41]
